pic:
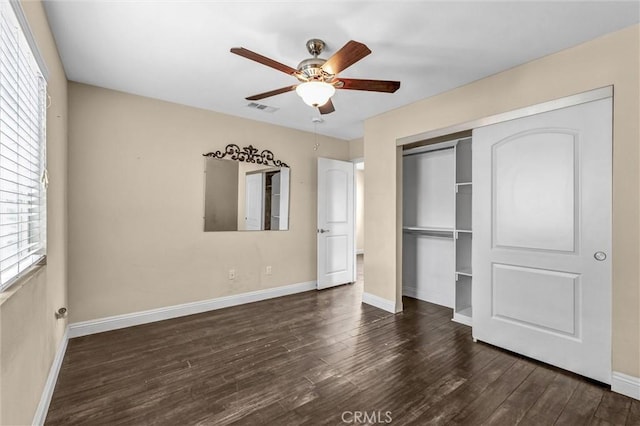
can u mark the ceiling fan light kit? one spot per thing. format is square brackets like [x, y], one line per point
[315, 93]
[319, 77]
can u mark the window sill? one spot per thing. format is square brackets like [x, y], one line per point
[22, 280]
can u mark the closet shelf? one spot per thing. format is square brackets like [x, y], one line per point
[468, 231]
[463, 183]
[426, 229]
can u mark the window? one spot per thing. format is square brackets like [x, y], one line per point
[22, 150]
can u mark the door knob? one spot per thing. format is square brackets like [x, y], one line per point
[322, 231]
[600, 256]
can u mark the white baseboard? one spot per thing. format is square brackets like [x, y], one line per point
[45, 399]
[144, 317]
[379, 302]
[626, 385]
[411, 292]
[423, 295]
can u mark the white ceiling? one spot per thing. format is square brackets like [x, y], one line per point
[179, 50]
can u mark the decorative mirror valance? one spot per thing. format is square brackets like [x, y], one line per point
[248, 154]
[245, 190]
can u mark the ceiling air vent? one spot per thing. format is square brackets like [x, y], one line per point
[261, 107]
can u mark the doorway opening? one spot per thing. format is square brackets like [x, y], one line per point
[359, 222]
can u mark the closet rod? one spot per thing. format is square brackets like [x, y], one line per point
[427, 151]
[435, 234]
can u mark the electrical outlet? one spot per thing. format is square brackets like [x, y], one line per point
[232, 274]
[268, 270]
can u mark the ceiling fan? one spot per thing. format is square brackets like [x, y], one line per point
[319, 77]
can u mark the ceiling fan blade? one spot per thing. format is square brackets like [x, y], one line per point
[348, 55]
[326, 108]
[271, 93]
[369, 85]
[263, 60]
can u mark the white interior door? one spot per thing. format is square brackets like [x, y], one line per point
[542, 237]
[336, 222]
[254, 201]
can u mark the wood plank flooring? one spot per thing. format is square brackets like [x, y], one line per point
[318, 358]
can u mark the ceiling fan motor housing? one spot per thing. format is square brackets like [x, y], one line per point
[311, 69]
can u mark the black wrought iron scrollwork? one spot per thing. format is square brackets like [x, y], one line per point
[247, 154]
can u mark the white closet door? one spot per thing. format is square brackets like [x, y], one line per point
[542, 237]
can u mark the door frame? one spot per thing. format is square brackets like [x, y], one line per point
[352, 194]
[356, 161]
[454, 131]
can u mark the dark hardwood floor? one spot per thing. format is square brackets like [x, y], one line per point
[318, 358]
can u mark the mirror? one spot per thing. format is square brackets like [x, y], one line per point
[241, 196]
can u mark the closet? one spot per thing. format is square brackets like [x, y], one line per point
[437, 232]
[534, 276]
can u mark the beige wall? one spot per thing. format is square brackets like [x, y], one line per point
[609, 60]
[29, 332]
[136, 201]
[356, 148]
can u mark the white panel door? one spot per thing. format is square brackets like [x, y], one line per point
[542, 237]
[254, 201]
[336, 222]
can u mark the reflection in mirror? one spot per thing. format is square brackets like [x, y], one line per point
[245, 196]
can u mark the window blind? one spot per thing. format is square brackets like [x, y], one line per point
[22, 152]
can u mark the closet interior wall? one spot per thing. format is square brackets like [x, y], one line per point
[437, 225]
